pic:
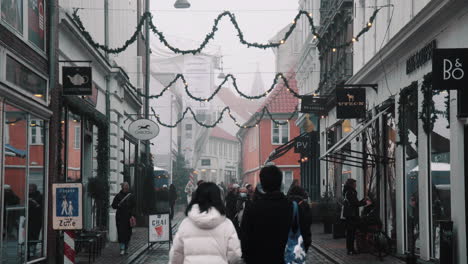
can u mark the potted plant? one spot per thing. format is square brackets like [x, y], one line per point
[327, 211]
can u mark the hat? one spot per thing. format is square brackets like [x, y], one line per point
[7, 187]
[235, 185]
[164, 186]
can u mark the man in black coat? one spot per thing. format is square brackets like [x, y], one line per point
[266, 223]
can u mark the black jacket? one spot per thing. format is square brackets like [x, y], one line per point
[125, 210]
[351, 207]
[305, 219]
[264, 229]
[231, 205]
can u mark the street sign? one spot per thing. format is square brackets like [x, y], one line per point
[449, 69]
[67, 205]
[350, 103]
[313, 104]
[159, 228]
[143, 129]
[77, 81]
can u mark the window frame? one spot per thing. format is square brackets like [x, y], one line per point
[24, 36]
[38, 132]
[280, 136]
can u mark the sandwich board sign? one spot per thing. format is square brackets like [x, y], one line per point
[159, 228]
[67, 206]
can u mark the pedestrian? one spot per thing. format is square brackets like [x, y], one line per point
[243, 202]
[266, 223]
[189, 189]
[250, 190]
[124, 203]
[172, 199]
[294, 183]
[35, 215]
[350, 213]
[298, 194]
[258, 193]
[206, 235]
[162, 200]
[231, 204]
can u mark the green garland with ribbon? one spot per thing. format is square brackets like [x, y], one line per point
[227, 109]
[408, 95]
[210, 36]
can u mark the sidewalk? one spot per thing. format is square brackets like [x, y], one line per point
[138, 244]
[335, 250]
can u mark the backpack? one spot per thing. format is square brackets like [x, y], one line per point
[294, 253]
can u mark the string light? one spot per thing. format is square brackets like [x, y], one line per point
[369, 24]
[353, 39]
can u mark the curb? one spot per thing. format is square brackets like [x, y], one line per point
[325, 254]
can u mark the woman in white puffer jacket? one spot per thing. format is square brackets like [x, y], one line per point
[206, 236]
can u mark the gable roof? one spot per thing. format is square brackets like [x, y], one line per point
[281, 100]
[218, 132]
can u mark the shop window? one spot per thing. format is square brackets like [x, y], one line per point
[390, 176]
[280, 133]
[23, 77]
[73, 152]
[440, 172]
[36, 132]
[77, 138]
[33, 24]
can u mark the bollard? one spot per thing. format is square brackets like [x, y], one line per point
[69, 247]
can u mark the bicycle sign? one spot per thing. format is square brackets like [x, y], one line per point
[67, 206]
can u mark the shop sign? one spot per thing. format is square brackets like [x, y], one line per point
[67, 205]
[302, 145]
[313, 104]
[449, 69]
[350, 103]
[159, 228]
[420, 58]
[77, 80]
[143, 129]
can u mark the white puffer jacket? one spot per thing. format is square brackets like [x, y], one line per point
[205, 238]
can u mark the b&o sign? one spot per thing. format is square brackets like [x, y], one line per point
[350, 103]
[449, 69]
[143, 129]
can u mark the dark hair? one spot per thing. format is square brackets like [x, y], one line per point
[297, 192]
[350, 182]
[271, 178]
[206, 196]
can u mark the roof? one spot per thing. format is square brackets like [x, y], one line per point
[218, 132]
[239, 106]
[281, 100]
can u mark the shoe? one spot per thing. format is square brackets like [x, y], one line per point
[122, 252]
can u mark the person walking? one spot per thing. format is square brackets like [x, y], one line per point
[231, 204]
[172, 199]
[298, 194]
[206, 236]
[266, 223]
[124, 203]
[350, 212]
[162, 200]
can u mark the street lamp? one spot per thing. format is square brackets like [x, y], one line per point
[182, 4]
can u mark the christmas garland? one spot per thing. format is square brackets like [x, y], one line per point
[428, 113]
[447, 108]
[407, 95]
[220, 117]
[207, 99]
[149, 17]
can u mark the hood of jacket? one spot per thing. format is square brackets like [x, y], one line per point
[206, 220]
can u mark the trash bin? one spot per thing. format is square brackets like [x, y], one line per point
[446, 242]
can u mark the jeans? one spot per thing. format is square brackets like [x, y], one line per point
[351, 226]
[124, 246]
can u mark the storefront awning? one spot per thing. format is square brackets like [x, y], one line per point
[338, 154]
[14, 152]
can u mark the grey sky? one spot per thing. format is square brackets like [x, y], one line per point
[260, 20]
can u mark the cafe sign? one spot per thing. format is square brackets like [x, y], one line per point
[313, 104]
[350, 103]
[143, 129]
[449, 69]
[77, 80]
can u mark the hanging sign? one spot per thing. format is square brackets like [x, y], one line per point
[77, 81]
[350, 103]
[67, 206]
[143, 129]
[159, 228]
[449, 69]
[302, 144]
[313, 104]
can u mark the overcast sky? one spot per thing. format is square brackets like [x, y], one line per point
[260, 20]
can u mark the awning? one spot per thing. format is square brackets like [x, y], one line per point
[350, 157]
[283, 149]
[14, 152]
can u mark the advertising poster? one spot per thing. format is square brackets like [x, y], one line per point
[36, 22]
[159, 228]
[67, 206]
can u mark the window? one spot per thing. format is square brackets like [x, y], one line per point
[77, 138]
[280, 133]
[23, 77]
[225, 146]
[36, 132]
[33, 24]
[287, 180]
[188, 127]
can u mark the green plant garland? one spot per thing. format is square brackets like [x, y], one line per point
[225, 109]
[407, 95]
[226, 78]
[148, 16]
[447, 108]
[428, 113]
